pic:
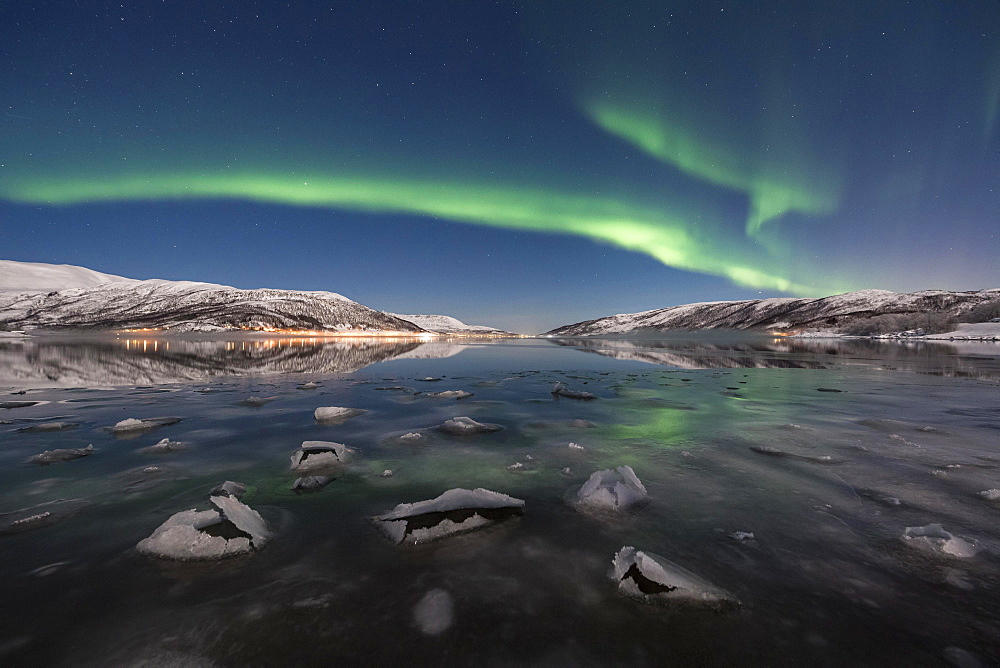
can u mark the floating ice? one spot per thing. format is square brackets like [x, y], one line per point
[312, 483]
[455, 511]
[743, 536]
[466, 425]
[18, 404]
[131, 425]
[451, 394]
[561, 390]
[428, 379]
[163, 447]
[255, 402]
[61, 455]
[50, 426]
[934, 538]
[654, 579]
[308, 386]
[412, 437]
[614, 490]
[434, 614]
[40, 516]
[318, 455]
[336, 413]
[990, 494]
[575, 446]
[385, 474]
[230, 529]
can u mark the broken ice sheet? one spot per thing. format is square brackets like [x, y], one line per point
[230, 529]
[655, 579]
[454, 511]
[313, 455]
[560, 390]
[312, 483]
[49, 426]
[611, 490]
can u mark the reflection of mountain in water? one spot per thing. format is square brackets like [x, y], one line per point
[921, 357]
[71, 363]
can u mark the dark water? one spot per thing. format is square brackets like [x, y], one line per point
[827, 579]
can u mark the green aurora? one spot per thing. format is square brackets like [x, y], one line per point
[669, 239]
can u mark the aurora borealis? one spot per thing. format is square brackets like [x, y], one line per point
[523, 165]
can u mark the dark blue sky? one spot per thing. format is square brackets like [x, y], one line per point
[522, 165]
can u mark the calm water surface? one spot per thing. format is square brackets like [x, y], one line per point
[911, 435]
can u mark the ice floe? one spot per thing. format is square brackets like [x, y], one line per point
[312, 483]
[933, 538]
[313, 455]
[454, 511]
[256, 402]
[163, 446]
[49, 426]
[450, 394]
[990, 494]
[336, 413]
[655, 579]
[132, 425]
[611, 489]
[61, 455]
[560, 390]
[466, 425]
[229, 488]
[230, 529]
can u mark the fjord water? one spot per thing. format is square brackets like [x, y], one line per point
[826, 451]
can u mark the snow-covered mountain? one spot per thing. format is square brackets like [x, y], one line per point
[112, 302]
[444, 324]
[782, 314]
[35, 277]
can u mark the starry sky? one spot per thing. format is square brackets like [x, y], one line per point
[517, 164]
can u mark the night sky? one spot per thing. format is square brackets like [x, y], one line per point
[522, 165]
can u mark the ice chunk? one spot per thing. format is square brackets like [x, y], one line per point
[613, 490]
[308, 386]
[319, 454]
[434, 614]
[428, 379]
[231, 529]
[934, 538]
[452, 512]
[561, 390]
[336, 413]
[130, 425]
[256, 402]
[50, 426]
[451, 394]
[575, 446]
[163, 447]
[229, 488]
[990, 494]
[61, 455]
[743, 536]
[312, 483]
[41, 515]
[654, 579]
[412, 437]
[466, 425]
[386, 474]
[18, 404]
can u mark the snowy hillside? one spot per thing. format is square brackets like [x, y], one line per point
[111, 302]
[35, 277]
[782, 314]
[443, 324]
